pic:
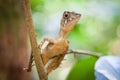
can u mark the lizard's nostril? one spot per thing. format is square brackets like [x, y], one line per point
[78, 14]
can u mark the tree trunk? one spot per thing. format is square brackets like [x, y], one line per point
[13, 41]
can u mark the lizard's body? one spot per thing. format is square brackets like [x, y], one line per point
[58, 46]
[54, 50]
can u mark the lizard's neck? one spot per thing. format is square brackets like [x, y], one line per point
[62, 34]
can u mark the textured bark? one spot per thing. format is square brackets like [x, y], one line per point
[35, 50]
[13, 41]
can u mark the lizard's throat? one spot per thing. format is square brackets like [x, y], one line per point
[63, 34]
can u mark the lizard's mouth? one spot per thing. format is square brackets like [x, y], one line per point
[72, 21]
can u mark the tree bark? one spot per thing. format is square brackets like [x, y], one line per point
[35, 50]
[13, 41]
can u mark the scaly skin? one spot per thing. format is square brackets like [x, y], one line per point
[54, 50]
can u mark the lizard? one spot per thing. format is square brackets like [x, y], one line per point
[54, 50]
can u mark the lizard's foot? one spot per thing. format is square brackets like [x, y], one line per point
[45, 43]
[28, 69]
[49, 40]
[39, 46]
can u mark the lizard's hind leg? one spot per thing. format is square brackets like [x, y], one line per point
[30, 63]
[28, 69]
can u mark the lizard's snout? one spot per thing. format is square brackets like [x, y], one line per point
[79, 15]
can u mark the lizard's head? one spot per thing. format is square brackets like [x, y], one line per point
[69, 20]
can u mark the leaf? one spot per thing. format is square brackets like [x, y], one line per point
[37, 5]
[83, 70]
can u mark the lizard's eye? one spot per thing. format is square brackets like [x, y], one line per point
[66, 15]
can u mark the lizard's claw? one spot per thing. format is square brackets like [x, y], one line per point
[45, 43]
[28, 69]
[49, 40]
[39, 46]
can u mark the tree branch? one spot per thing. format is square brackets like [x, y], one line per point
[36, 53]
[85, 53]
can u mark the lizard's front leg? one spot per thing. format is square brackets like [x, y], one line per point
[46, 52]
[45, 43]
[41, 46]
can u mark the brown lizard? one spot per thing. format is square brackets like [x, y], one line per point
[54, 50]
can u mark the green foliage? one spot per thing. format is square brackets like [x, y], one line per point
[37, 5]
[83, 70]
[97, 30]
[78, 37]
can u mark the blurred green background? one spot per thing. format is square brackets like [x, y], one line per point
[98, 30]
